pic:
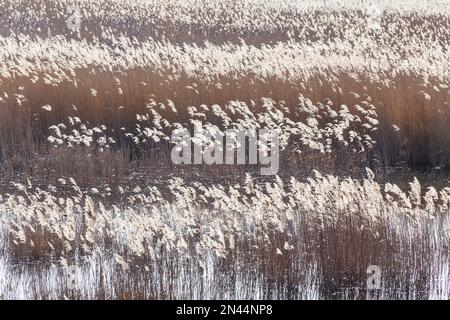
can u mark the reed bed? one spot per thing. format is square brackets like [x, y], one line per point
[92, 207]
[311, 239]
[49, 76]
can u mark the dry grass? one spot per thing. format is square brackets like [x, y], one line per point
[404, 69]
[422, 139]
[100, 105]
[300, 240]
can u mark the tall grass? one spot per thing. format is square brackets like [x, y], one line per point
[119, 64]
[418, 110]
[98, 107]
[297, 240]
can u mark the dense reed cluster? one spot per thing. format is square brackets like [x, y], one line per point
[92, 206]
[297, 240]
[49, 74]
